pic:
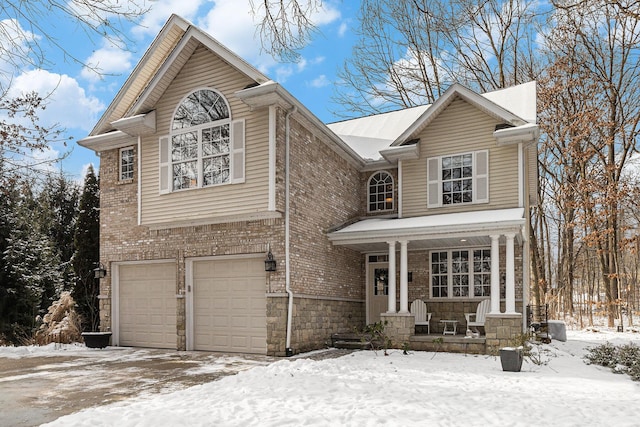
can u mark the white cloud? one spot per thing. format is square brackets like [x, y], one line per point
[343, 29]
[107, 60]
[67, 102]
[15, 49]
[320, 81]
[153, 20]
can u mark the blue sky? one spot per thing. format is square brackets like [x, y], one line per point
[77, 96]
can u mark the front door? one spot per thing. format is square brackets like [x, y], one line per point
[378, 290]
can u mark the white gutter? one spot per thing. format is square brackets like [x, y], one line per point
[287, 234]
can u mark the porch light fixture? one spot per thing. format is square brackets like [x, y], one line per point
[269, 262]
[99, 272]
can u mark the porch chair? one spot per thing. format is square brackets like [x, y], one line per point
[419, 310]
[478, 317]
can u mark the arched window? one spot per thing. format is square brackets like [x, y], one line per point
[381, 192]
[199, 141]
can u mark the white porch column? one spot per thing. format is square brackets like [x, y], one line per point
[391, 306]
[495, 274]
[404, 282]
[510, 294]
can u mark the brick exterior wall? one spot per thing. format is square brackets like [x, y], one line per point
[327, 281]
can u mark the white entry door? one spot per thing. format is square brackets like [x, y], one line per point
[378, 290]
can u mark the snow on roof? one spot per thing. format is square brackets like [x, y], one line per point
[520, 100]
[471, 220]
[368, 135]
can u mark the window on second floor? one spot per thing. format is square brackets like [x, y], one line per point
[458, 179]
[380, 192]
[205, 147]
[126, 164]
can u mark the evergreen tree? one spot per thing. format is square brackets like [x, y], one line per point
[58, 213]
[31, 268]
[87, 253]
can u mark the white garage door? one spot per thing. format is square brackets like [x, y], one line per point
[229, 306]
[147, 298]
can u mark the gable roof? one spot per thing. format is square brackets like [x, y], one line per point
[458, 91]
[159, 65]
[373, 136]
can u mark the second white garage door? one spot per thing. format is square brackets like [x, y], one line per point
[229, 305]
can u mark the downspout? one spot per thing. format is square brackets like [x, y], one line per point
[287, 234]
[139, 156]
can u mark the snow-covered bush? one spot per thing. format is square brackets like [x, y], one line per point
[624, 359]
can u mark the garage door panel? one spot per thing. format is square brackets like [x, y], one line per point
[147, 305]
[229, 300]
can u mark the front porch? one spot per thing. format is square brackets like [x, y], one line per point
[452, 262]
[499, 331]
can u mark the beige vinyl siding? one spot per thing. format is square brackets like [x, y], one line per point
[532, 170]
[204, 69]
[461, 128]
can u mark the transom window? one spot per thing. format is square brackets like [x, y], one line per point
[126, 164]
[380, 192]
[457, 179]
[461, 273]
[200, 150]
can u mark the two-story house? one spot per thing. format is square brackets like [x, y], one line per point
[209, 171]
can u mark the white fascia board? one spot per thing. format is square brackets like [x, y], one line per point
[107, 141]
[141, 124]
[425, 233]
[401, 152]
[519, 134]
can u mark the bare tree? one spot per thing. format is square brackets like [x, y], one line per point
[25, 40]
[285, 26]
[410, 51]
[596, 134]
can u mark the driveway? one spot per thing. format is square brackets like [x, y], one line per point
[40, 386]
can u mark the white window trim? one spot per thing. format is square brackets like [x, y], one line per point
[200, 156]
[120, 165]
[450, 296]
[478, 179]
[393, 196]
[236, 152]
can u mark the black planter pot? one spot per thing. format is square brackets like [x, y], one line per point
[96, 339]
[511, 359]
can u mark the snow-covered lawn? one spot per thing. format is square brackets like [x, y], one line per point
[422, 388]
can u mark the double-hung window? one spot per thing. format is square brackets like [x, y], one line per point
[458, 179]
[461, 273]
[205, 147]
[126, 164]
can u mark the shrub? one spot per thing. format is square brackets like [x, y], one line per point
[621, 359]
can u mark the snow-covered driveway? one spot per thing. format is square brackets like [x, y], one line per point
[41, 384]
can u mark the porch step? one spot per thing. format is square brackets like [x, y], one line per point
[448, 343]
[349, 341]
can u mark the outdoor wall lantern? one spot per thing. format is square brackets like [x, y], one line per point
[269, 262]
[99, 272]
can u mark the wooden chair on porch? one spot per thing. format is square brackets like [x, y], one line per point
[419, 310]
[478, 317]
